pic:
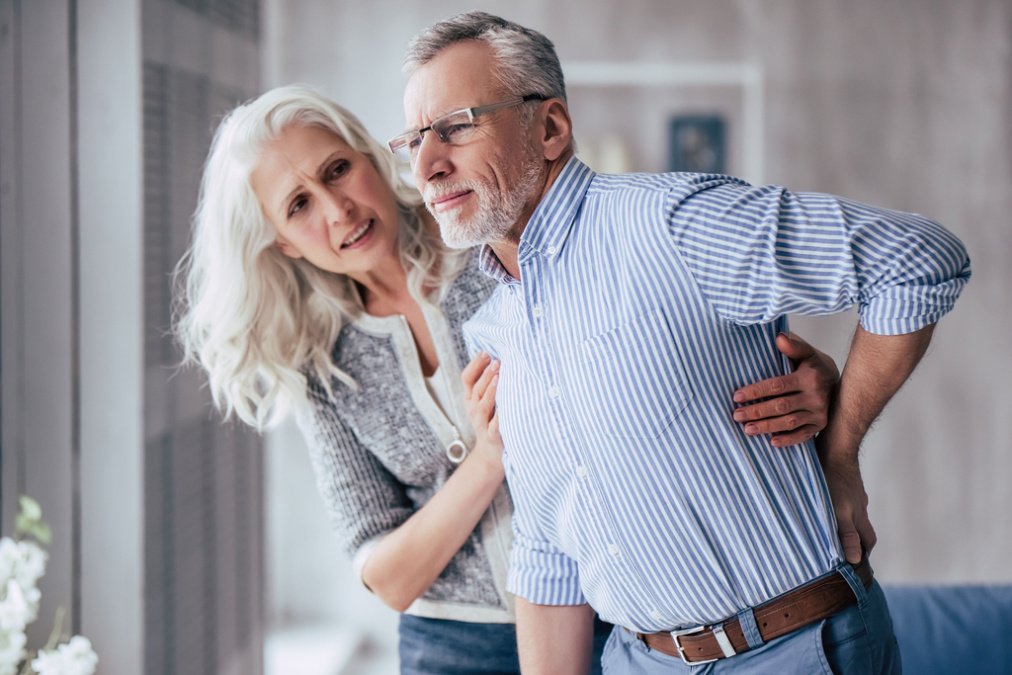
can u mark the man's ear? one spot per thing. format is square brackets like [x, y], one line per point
[287, 248]
[557, 129]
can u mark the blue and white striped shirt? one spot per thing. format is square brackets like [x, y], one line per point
[645, 301]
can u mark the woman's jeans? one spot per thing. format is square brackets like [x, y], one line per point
[442, 647]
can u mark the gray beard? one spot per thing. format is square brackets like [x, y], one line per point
[498, 211]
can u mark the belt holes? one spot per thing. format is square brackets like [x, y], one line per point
[787, 615]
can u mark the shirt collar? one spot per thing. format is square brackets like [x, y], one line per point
[553, 219]
[551, 222]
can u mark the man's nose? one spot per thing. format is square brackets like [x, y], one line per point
[432, 160]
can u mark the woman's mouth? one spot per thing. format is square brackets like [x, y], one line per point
[359, 236]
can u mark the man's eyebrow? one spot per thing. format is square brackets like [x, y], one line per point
[435, 117]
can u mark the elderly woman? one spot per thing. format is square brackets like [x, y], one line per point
[317, 283]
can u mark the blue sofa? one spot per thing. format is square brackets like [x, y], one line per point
[953, 630]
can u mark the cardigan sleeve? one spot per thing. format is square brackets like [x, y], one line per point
[363, 499]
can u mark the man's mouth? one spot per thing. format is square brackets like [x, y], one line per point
[360, 232]
[449, 200]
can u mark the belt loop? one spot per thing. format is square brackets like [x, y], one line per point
[746, 619]
[856, 585]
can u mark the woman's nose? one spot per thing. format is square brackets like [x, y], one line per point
[338, 207]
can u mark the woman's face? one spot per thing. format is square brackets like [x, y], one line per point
[327, 202]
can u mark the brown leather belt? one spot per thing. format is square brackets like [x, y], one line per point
[785, 613]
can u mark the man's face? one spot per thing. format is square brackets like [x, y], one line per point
[484, 190]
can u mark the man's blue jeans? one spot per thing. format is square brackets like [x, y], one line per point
[858, 640]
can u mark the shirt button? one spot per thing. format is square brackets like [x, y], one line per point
[657, 616]
[613, 549]
[555, 392]
[537, 311]
[551, 250]
[581, 471]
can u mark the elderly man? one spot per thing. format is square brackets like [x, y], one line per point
[629, 307]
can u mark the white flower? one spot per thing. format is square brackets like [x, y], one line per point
[12, 650]
[31, 564]
[17, 609]
[23, 561]
[9, 556]
[74, 658]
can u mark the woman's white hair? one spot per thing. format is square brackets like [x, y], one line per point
[259, 322]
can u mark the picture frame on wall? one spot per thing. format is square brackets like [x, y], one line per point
[697, 143]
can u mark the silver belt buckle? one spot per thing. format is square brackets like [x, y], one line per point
[677, 634]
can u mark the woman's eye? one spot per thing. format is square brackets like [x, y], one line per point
[338, 169]
[297, 205]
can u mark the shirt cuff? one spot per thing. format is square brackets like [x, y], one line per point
[542, 575]
[906, 309]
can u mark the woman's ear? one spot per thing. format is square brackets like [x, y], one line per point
[557, 129]
[287, 248]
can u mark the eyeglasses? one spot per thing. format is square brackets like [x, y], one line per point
[455, 128]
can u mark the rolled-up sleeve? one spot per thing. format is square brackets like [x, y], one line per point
[540, 573]
[760, 253]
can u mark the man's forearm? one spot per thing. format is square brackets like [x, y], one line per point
[554, 639]
[877, 366]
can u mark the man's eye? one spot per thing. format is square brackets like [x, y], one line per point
[456, 131]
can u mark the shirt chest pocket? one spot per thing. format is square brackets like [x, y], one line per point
[635, 382]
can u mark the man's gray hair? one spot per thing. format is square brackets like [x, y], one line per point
[526, 62]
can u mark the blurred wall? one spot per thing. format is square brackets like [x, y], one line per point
[905, 104]
[106, 109]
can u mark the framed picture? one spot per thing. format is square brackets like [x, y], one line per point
[697, 144]
[669, 116]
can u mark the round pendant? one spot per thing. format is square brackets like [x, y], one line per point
[456, 451]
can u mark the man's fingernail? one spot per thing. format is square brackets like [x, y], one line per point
[739, 397]
[739, 416]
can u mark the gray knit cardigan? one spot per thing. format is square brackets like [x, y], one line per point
[379, 452]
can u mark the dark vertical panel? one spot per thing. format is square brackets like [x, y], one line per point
[204, 568]
[190, 516]
[159, 572]
[157, 191]
[11, 274]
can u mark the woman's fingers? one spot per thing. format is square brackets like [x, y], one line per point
[473, 370]
[486, 404]
[478, 390]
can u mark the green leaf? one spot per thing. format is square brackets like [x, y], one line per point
[29, 521]
[30, 508]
